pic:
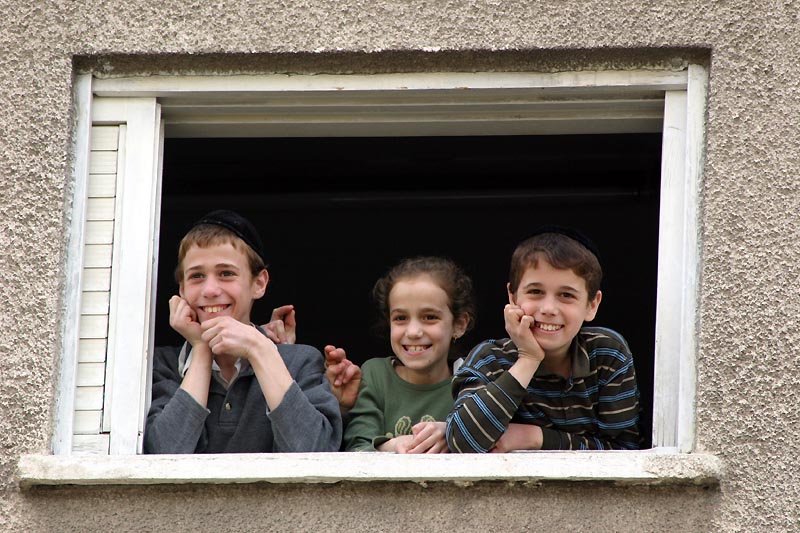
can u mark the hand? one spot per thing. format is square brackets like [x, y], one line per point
[518, 326]
[426, 437]
[282, 327]
[227, 336]
[183, 319]
[343, 375]
[519, 437]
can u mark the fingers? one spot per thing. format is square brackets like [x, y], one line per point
[283, 322]
[290, 318]
[338, 372]
[352, 372]
[334, 355]
[276, 331]
[516, 321]
[280, 313]
[226, 335]
[428, 437]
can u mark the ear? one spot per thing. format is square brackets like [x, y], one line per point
[460, 325]
[510, 294]
[260, 282]
[594, 303]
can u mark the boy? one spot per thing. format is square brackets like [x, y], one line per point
[554, 384]
[229, 388]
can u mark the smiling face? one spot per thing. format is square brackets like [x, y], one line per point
[559, 304]
[421, 329]
[217, 282]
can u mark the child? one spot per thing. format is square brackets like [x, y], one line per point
[403, 400]
[229, 388]
[553, 385]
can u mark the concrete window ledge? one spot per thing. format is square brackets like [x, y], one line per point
[650, 467]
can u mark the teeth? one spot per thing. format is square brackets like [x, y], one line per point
[416, 348]
[548, 327]
[214, 308]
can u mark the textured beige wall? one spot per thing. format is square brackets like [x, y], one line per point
[749, 368]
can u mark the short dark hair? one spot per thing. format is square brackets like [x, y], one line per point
[561, 252]
[445, 272]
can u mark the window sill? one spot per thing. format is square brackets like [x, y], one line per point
[648, 467]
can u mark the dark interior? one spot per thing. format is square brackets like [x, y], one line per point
[336, 213]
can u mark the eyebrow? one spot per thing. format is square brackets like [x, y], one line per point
[218, 265]
[561, 288]
[428, 309]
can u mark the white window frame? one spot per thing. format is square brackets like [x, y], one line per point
[672, 102]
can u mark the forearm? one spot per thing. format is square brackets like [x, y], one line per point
[554, 439]
[306, 421]
[364, 427]
[197, 379]
[482, 413]
[271, 373]
[175, 426]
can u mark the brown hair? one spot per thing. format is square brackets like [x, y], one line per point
[445, 272]
[205, 235]
[561, 252]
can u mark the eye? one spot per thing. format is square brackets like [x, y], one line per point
[399, 318]
[227, 273]
[567, 295]
[430, 317]
[196, 275]
[534, 292]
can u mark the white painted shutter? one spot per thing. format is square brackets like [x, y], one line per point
[114, 236]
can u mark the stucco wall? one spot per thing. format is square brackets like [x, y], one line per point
[747, 370]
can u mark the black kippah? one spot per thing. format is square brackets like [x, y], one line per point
[238, 225]
[572, 234]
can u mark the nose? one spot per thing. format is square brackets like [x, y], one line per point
[211, 287]
[548, 305]
[414, 330]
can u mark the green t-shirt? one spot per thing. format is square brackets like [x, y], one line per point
[388, 406]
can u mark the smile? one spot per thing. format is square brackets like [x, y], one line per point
[213, 308]
[415, 348]
[548, 327]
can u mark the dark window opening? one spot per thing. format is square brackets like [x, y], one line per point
[335, 213]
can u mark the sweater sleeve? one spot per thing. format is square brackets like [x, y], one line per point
[175, 422]
[308, 418]
[486, 398]
[365, 429]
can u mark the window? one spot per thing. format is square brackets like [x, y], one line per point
[121, 124]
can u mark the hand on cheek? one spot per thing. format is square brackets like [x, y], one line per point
[183, 319]
[519, 328]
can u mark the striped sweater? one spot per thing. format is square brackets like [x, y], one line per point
[597, 408]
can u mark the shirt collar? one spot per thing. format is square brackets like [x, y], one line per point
[185, 359]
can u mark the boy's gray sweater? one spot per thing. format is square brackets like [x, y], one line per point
[237, 420]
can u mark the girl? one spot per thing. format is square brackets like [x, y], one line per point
[403, 400]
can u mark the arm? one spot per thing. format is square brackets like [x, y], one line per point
[303, 412]
[175, 422]
[366, 418]
[490, 386]
[308, 418]
[177, 415]
[486, 399]
[344, 377]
